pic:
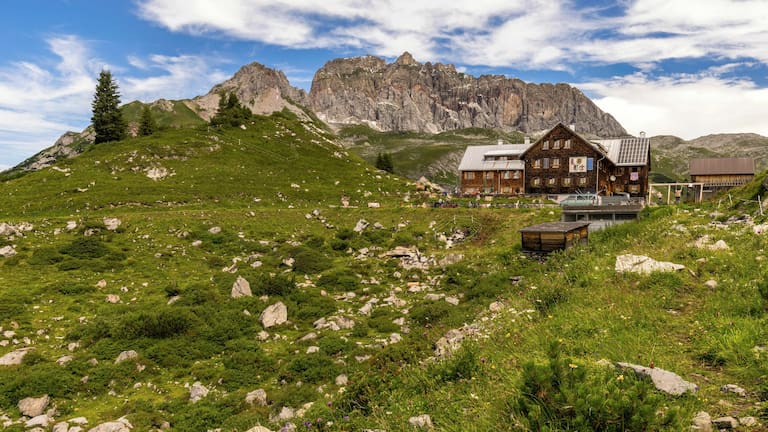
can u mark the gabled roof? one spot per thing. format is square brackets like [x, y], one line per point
[598, 148]
[721, 166]
[627, 151]
[475, 157]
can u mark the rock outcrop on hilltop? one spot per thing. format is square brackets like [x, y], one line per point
[261, 89]
[408, 95]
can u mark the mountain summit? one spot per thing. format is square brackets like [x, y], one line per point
[410, 96]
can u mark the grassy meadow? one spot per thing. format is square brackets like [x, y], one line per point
[277, 203]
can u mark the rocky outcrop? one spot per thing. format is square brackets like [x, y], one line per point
[410, 96]
[665, 381]
[261, 89]
[67, 146]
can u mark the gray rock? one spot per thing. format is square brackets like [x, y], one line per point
[79, 420]
[342, 380]
[60, 427]
[33, 407]
[41, 420]
[126, 355]
[120, 425]
[258, 428]
[241, 288]
[215, 230]
[711, 284]
[748, 421]
[111, 223]
[7, 251]
[702, 422]
[361, 225]
[197, 392]
[423, 421]
[273, 315]
[733, 388]
[725, 423]
[14, 357]
[663, 380]
[257, 397]
[286, 413]
[629, 263]
[313, 349]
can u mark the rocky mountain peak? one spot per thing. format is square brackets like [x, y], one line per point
[262, 89]
[435, 97]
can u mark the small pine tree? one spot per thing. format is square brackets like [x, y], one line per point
[107, 118]
[230, 112]
[147, 124]
[384, 162]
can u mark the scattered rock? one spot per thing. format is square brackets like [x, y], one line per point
[241, 288]
[342, 380]
[215, 230]
[197, 243]
[33, 407]
[112, 223]
[665, 381]
[423, 421]
[14, 357]
[748, 421]
[725, 423]
[361, 225]
[702, 422]
[126, 355]
[113, 298]
[643, 264]
[60, 427]
[733, 388]
[259, 428]
[61, 361]
[7, 251]
[374, 205]
[197, 392]
[257, 397]
[157, 173]
[286, 413]
[711, 284]
[496, 307]
[41, 420]
[101, 283]
[273, 315]
[120, 425]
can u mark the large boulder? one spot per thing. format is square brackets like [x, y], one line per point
[7, 251]
[197, 392]
[14, 357]
[126, 355]
[665, 381]
[33, 407]
[256, 397]
[642, 264]
[241, 288]
[120, 425]
[273, 315]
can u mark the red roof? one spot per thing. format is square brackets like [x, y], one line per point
[721, 166]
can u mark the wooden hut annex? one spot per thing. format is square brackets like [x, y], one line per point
[716, 174]
[551, 236]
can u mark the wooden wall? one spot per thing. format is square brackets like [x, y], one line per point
[493, 182]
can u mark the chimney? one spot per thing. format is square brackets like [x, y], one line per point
[573, 127]
[527, 140]
[642, 134]
[500, 141]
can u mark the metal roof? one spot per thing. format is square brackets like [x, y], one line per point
[474, 158]
[559, 227]
[628, 151]
[721, 166]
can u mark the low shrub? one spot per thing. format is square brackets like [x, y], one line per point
[311, 368]
[311, 306]
[562, 395]
[339, 280]
[160, 323]
[45, 256]
[85, 248]
[309, 261]
[276, 285]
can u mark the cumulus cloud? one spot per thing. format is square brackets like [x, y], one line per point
[41, 101]
[687, 106]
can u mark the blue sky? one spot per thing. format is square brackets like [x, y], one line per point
[667, 67]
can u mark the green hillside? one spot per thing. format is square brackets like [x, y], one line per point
[394, 310]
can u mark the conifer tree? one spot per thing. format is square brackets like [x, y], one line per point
[107, 118]
[384, 162]
[230, 112]
[147, 125]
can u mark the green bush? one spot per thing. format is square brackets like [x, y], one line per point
[69, 288]
[311, 368]
[199, 294]
[277, 285]
[245, 365]
[339, 245]
[85, 248]
[160, 323]
[339, 280]
[45, 256]
[309, 261]
[335, 345]
[310, 307]
[430, 312]
[562, 395]
[462, 365]
[345, 234]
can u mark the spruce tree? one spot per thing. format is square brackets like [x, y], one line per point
[231, 112]
[147, 125]
[107, 118]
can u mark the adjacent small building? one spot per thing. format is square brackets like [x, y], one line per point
[551, 236]
[718, 174]
[560, 162]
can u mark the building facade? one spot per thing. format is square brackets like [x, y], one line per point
[560, 162]
[718, 174]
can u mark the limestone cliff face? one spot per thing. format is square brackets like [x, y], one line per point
[408, 95]
[258, 87]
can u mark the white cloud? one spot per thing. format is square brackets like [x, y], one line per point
[179, 77]
[687, 106]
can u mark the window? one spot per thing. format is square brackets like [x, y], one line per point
[489, 175]
[621, 171]
[566, 181]
[506, 190]
[582, 181]
[506, 175]
[567, 144]
[536, 182]
[469, 175]
[634, 188]
[545, 145]
[515, 175]
[537, 163]
[546, 163]
[556, 145]
[552, 181]
[556, 163]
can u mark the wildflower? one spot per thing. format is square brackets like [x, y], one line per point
[329, 403]
[482, 360]
[620, 378]
[572, 365]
